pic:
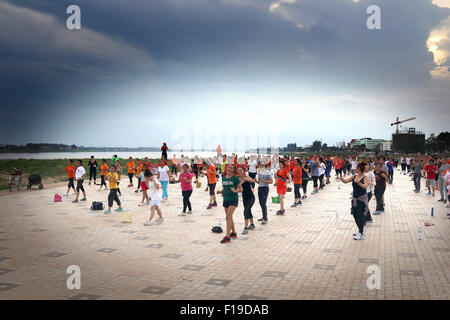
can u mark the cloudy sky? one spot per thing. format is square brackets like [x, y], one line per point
[145, 71]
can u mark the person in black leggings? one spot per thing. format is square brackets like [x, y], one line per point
[263, 181]
[92, 169]
[248, 198]
[359, 204]
[305, 178]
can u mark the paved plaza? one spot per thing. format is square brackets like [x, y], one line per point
[307, 254]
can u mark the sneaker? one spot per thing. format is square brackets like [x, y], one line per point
[119, 210]
[264, 222]
[182, 214]
[141, 204]
[233, 235]
[280, 212]
[251, 227]
[159, 220]
[261, 219]
[433, 194]
[66, 194]
[84, 199]
[225, 240]
[215, 204]
[376, 213]
[369, 221]
[245, 231]
[107, 211]
[294, 205]
[148, 223]
[209, 206]
[136, 191]
[75, 201]
[441, 200]
[358, 236]
[428, 193]
[299, 202]
[190, 212]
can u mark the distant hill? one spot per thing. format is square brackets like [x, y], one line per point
[54, 147]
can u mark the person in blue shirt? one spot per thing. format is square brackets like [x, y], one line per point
[390, 165]
[329, 164]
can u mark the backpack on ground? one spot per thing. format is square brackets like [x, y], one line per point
[97, 205]
[57, 198]
[217, 229]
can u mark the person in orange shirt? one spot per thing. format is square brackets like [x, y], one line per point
[103, 172]
[291, 164]
[212, 180]
[297, 179]
[131, 170]
[71, 175]
[139, 169]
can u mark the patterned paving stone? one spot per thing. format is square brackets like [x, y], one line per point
[278, 235]
[435, 237]
[192, 267]
[4, 271]
[79, 228]
[331, 250]
[155, 245]
[39, 230]
[368, 260]
[202, 243]
[218, 282]
[129, 231]
[323, 267]
[4, 286]
[141, 238]
[312, 231]
[106, 250]
[441, 249]
[247, 297]
[55, 254]
[85, 296]
[407, 254]
[155, 290]
[401, 231]
[416, 273]
[274, 274]
[307, 243]
[171, 256]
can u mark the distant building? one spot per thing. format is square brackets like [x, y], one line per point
[292, 147]
[408, 141]
[371, 144]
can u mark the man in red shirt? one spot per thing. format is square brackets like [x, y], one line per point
[431, 171]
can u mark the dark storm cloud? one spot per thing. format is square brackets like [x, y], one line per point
[201, 43]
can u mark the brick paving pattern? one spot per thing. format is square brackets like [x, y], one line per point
[307, 254]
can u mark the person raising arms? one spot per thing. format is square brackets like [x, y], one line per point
[359, 207]
[248, 198]
[231, 187]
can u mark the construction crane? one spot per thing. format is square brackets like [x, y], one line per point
[401, 121]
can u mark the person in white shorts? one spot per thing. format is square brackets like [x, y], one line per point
[155, 195]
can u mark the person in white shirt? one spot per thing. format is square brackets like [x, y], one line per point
[79, 176]
[354, 163]
[370, 189]
[408, 164]
[252, 169]
[163, 175]
[155, 195]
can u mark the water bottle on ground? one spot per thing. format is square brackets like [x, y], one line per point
[432, 212]
[220, 223]
[420, 233]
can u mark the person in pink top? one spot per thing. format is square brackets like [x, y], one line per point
[185, 179]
